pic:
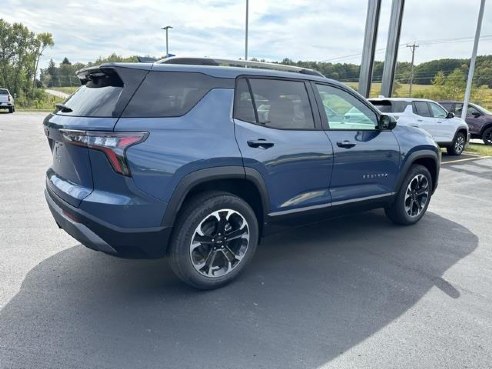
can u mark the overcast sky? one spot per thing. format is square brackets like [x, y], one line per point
[329, 30]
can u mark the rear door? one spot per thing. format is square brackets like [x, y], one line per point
[424, 118]
[366, 159]
[95, 106]
[279, 137]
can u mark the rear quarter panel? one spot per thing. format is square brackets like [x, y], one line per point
[202, 138]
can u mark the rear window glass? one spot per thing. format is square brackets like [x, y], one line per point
[93, 102]
[3, 92]
[97, 98]
[386, 106]
[172, 94]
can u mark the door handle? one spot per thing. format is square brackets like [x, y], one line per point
[346, 143]
[420, 120]
[261, 143]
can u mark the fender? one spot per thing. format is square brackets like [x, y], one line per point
[188, 182]
[410, 159]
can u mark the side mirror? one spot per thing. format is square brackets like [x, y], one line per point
[450, 115]
[476, 114]
[386, 122]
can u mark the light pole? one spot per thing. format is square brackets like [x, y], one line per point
[167, 39]
[472, 61]
[246, 32]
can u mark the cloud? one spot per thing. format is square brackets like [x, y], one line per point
[297, 29]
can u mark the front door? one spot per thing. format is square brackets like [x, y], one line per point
[443, 129]
[366, 159]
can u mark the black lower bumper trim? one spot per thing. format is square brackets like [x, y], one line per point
[141, 243]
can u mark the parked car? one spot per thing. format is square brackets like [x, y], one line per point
[478, 118]
[6, 100]
[447, 130]
[197, 162]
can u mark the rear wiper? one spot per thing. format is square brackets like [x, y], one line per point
[64, 108]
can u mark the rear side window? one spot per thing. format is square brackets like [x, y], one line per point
[448, 106]
[3, 91]
[171, 94]
[273, 103]
[421, 108]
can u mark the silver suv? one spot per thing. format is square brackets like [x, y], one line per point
[6, 100]
[447, 130]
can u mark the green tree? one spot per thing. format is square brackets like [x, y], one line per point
[44, 40]
[19, 55]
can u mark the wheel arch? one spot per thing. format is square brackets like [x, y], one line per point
[429, 159]
[484, 128]
[246, 183]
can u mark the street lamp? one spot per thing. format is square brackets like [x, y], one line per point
[246, 32]
[167, 39]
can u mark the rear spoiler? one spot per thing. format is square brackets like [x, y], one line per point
[97, 73]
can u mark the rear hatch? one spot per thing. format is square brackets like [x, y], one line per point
[95, 106]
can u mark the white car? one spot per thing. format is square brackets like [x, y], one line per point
[6, 100]
[447, 130]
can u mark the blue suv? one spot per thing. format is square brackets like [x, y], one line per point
[194, 160]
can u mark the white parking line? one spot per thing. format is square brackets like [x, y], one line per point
[478, 157]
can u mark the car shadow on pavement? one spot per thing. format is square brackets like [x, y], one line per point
[476, 168]
[310, 294]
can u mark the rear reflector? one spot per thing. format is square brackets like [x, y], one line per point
[113, 144]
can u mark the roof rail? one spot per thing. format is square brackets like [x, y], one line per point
[237, 63]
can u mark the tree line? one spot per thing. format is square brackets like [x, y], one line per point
[424, 73]
[64, 75]
[20, 51]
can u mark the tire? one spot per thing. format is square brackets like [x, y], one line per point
[11, 110]
[409, 207]
[487, 136]
[458, 144]
[210, 260]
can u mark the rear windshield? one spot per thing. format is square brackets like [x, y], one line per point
[97, 98]
[387, 106]
[4, 91]
[172, 94]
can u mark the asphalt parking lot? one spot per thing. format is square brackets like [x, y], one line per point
[353, 292]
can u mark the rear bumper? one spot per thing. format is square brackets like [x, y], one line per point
[101, 236]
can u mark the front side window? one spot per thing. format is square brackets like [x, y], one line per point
[421, 108]
[344, 111]
[437, 111]
[273, 103]
[471, 111]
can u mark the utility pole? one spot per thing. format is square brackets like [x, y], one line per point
[167, 28]
[471, 71]
[246, 32]
[413, 47]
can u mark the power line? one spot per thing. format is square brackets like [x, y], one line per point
[422, 42]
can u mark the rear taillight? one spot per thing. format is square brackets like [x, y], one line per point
[113, 144]
[8, 97]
